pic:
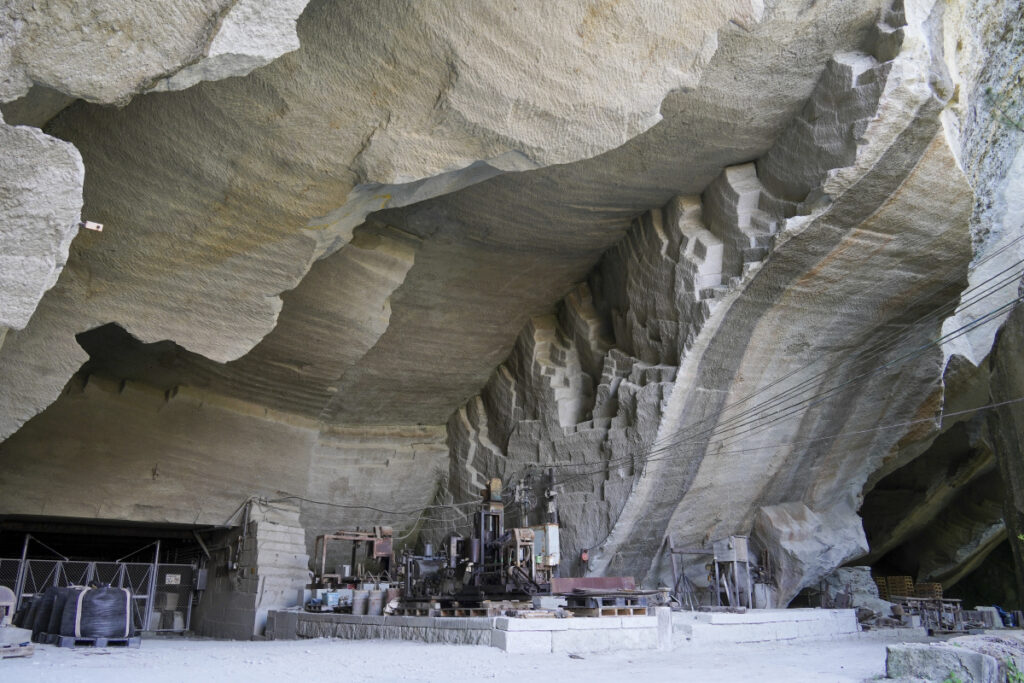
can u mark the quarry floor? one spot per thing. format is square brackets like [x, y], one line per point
[854, 658]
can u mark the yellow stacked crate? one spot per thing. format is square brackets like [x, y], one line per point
[932, 591]
[900, 586]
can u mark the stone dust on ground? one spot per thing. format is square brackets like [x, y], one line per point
[852, 659]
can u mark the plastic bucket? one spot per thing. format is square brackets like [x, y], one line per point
[360, 600]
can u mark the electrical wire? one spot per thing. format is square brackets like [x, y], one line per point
[963, 301]
[872, 352]
[736, 421]
[669, 447]
[393, 513]
[760, 422]
[886, 342]
[786, 444]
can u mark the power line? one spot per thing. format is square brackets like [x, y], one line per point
[668, 447]
[975, 294]
[750, 417]
[895, 425]
[393, 513]
[871, 352]
[758, 423]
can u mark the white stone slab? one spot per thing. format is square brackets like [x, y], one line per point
[522, 642]
[764, 616]
[604, 640]
[532, 624]
[593, 623]
[639, 622]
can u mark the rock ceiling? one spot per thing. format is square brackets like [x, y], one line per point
[380, 216]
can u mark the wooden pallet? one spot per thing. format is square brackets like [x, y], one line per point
[883, 587]
[466, 612]
[610, 611]
[486, 608]
[932, 591]
[72, 641]
[601, 601]
[900, 586]
[16, 650]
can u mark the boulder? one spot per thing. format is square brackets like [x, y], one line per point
[804, 545]
[940, 662]
[858, 583]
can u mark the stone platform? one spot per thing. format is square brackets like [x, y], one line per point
[665, 630]
[762, 625]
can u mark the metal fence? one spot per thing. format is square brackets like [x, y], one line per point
[161, 593]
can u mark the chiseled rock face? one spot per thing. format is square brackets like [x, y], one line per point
[987, 117]
[218, 199]
[804, 547]
[1007, 424]
[99, 52]
[795, 325]
[690, 256]
[858, 583]
[251, 34]
[39, 203]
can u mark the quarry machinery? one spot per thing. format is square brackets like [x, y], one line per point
[493, 563]
[376, 545]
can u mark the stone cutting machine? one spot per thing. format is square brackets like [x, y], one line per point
[493, 563]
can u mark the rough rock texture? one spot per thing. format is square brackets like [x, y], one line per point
[189, 457]
[960, 536]
[251, 34]
[916, 493]
[696, 259]
[989, 40]
[802, 545]
[94, 51]
[274, 171]
[269, 570]
[40, 197]
[1007, 424]
[986, 116]
[994, 582]
[97, 52]
[977, 659]
[935, 662]
[867, 221]
[858, 583]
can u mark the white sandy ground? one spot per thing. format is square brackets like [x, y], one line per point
[854, 658]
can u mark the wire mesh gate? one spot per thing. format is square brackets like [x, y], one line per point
[161, 593]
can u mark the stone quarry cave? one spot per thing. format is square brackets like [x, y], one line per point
[702, 269]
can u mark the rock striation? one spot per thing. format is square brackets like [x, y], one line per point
[40, 208]
[697, 269]
[275, 171]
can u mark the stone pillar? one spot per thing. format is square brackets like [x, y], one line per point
[253, 572]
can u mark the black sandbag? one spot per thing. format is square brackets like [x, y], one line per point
[23, 617]
[42, 616]
[98, 613]
[57, 612]
[69, 615]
